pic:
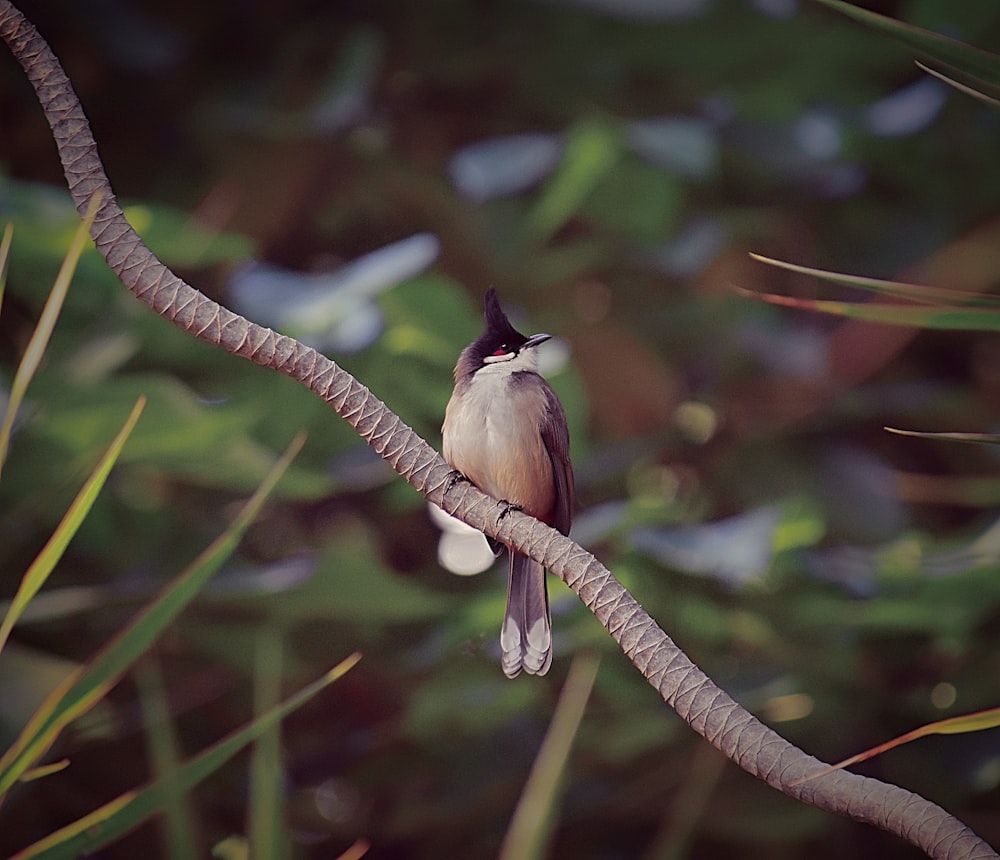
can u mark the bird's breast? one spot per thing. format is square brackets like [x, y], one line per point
[492, 435]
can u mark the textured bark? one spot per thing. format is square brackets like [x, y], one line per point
[708, 709]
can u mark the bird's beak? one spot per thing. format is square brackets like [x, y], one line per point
[535, 340]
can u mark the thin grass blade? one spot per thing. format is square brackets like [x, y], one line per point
[46, 323]
[5, 243]
[45, 770]
[973, 61]
[164, 752]
[528, 830]
[81, 690]
[129, 810]
[913, 292]
[975, 87]
[358, 850]
[933, 317]
[53, 550]
[267, 812]
[972, 438]
[975, 722]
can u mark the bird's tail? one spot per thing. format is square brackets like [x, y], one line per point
[526, 635]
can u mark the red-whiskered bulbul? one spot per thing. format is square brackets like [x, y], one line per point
[505, 430]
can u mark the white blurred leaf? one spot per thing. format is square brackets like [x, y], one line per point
[776, 8]
[346, 95]
[599, 522]
[690, 250]
[734, 551]
[461, 549]
[861, 494]
[683, 145]
[503, 166]
[330, 311]
[908, 110]
[644, 10]
[798, 350]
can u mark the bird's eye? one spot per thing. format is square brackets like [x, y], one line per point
[501, 350]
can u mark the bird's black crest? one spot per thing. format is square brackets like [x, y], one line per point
[498, 327]
[498, 337]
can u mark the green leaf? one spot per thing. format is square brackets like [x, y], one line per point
[53, 550]
[352, 584]
[127, 811]
[592, 150]
[973, 61]
[182, 436]
[82, 689]
[46, 323]
[181, 241]
[637, 200]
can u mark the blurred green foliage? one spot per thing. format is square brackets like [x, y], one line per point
[730, 458]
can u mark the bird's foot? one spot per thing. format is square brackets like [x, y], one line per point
[505, 508]
[454, 478]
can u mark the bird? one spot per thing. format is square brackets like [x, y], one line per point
[505, 431]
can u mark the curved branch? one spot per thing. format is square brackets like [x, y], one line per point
[709, 710]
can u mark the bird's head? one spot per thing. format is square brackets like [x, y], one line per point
[500, 347]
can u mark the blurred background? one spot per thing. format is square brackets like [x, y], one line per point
[357, 174]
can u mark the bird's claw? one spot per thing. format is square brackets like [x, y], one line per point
[505, 508]
[454, 478]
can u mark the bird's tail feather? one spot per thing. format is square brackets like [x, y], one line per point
[526, 635]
